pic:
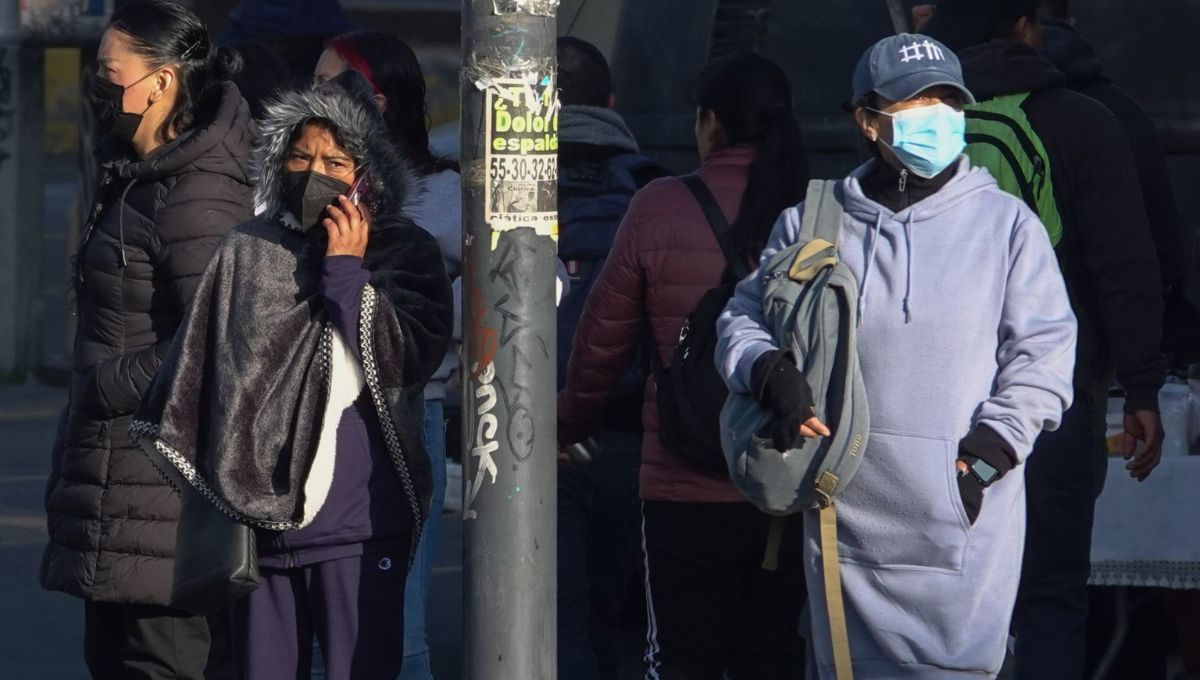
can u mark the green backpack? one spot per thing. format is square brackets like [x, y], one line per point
[1000, 139]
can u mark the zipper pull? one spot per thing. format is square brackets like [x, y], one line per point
[903, 180]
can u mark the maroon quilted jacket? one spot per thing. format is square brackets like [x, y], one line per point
[665, 258]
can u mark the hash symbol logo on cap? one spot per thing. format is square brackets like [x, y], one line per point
[918, 51]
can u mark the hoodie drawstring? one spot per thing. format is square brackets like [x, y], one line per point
[870, 267]
[862, 289]
[908, 238]
[121, 221]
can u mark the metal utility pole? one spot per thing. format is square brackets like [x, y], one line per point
[509, 157]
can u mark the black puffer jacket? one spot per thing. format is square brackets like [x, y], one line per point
[156, 222]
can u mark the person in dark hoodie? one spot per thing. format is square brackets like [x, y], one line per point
[1109, 264]
[1071, 53]
[600, 168]
[174, 178]
[308, 348]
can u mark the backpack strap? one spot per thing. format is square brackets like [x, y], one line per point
[835, 609]
[735, 268]
[820, 231]
[822, 212]
[823, 221]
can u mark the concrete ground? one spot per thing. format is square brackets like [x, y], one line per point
[41, 633]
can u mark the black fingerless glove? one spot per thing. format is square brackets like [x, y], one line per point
[781, 388]
[984, 444]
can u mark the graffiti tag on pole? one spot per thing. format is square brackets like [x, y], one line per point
[485, 443]
[502, 403]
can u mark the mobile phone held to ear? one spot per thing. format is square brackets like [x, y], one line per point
[362, 193]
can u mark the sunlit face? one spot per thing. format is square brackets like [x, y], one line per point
[119, 64]
[329, 66]
[315, 149]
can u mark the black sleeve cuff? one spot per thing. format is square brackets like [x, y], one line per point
[985, 444]
[1141, 399]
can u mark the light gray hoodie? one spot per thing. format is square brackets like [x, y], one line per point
[964, 319]
[439, 212]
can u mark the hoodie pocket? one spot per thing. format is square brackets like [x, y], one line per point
[902, 509]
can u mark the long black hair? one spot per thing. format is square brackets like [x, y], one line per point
[751, 98]
[392, 68]
[165, 33]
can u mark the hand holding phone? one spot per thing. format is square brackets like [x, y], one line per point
[348, 229]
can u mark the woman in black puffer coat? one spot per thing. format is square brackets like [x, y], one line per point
[174, 180]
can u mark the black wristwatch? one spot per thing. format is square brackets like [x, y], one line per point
[981, 470]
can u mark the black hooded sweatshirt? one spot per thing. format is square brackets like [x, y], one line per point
[1078, 61]
[1107, 253]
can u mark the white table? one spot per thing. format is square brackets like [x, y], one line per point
[1146, 534]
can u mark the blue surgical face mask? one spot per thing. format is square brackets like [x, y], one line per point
[927, 139]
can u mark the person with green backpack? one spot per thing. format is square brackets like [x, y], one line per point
[965, 345]
[1106, 251]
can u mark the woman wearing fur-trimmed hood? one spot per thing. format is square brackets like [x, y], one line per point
[291, 396]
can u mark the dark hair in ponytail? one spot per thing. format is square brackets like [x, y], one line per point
[752, 100]
[166, 34]
[392, 69]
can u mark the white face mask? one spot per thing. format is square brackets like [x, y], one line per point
[927, 139]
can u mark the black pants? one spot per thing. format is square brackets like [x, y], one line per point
[598, 554]
[149, 642]
[712, 609]
[1050, 619]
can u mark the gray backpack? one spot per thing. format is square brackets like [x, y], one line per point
[810, 306]
[809, 300]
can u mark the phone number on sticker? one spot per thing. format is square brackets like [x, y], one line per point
[526, 169]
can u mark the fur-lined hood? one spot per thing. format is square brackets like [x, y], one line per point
[346, 102]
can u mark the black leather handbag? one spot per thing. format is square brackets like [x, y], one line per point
[216, 559]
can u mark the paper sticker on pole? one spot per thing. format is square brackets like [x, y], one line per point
[521, 155]
[542, 8]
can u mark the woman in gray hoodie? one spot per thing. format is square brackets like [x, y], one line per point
[966, 343]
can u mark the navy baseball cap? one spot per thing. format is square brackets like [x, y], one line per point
[901, 66]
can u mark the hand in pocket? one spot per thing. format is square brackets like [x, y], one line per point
[971, 492]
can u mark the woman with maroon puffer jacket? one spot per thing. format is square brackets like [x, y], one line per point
[712, 608]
